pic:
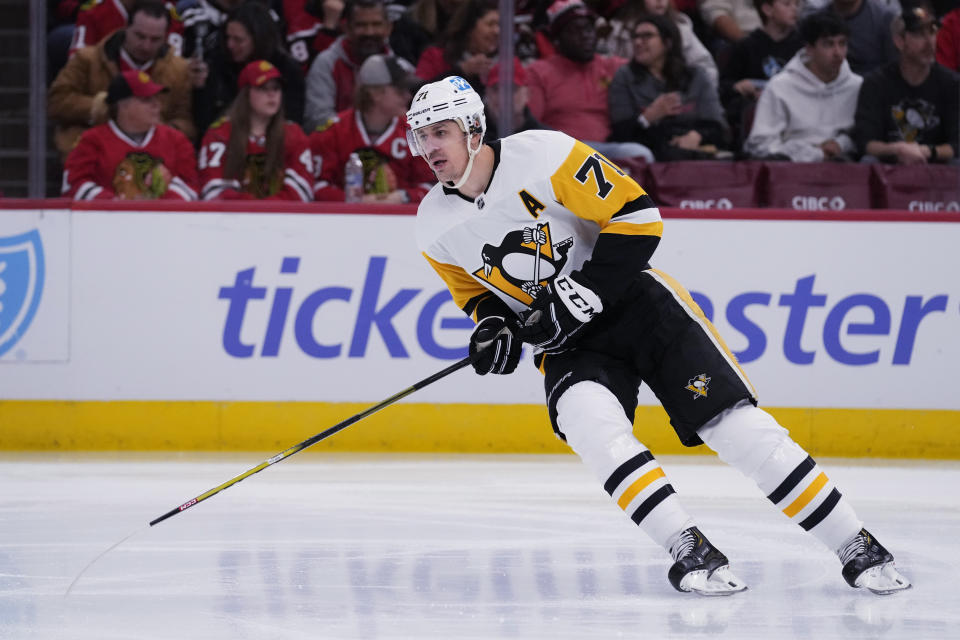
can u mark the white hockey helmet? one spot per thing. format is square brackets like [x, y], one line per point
[449, 99]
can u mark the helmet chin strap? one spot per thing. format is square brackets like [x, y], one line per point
[466, 172]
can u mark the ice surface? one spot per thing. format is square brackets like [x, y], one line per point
[444, 547]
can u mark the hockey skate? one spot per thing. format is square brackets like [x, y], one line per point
[866, 563]
[700, 567]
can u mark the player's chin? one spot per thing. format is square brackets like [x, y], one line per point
[444, 174]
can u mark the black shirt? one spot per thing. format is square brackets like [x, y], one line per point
[890, 110]
[758, 56]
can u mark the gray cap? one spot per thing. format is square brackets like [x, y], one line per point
[380, 70]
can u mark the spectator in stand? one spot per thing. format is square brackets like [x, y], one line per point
[523, 120]
[420, 26]
[870, 44]
[468, 47]
[249, 34]
[98, 19]
[254, 152]
[757, 58]
[806, 112]
[312, 26]
[730, 20]
[765, 51]
[619, 42]
[890, 6]
[948, 41]
[77, 97]
[659, 100]
[132, 156]
[568, 90]
[376, 129]
[61, 24]
[330, 82]
[203, 26]
[908, 111]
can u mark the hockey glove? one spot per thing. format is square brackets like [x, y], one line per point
[494, 346]
[558, 313]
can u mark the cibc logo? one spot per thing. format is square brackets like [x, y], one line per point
[926, 205]
[21, 285]
[719, 203]
[823, 203]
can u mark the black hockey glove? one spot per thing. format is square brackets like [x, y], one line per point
[558, 313]
[494, 346]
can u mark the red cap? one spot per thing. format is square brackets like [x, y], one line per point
[257, 74]
[132, 83]
[562, 12]
[519, 75]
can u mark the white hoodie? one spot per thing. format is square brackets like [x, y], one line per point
[797, 112]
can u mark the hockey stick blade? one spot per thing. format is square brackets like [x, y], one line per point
[340, 426]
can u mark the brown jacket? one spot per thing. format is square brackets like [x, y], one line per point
[75, 101]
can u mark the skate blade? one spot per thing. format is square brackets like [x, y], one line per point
[721, 582]
[883, 580]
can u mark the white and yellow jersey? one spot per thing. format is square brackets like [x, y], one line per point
[552, 204]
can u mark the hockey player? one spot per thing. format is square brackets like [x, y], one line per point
[132, 156]
[542, 240]
[253, 152]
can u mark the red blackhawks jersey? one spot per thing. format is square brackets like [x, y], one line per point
[99, 18]
[387, 162]
[294, 183]
[106, 163]
[306, 34]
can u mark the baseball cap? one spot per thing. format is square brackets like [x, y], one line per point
[380, 69]
[918, 18]
[257, 74]
[132, 83]
[561, 12]
[519, 75]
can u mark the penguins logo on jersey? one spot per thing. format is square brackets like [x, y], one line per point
[526, 260]
[699, 386]
[913, 117]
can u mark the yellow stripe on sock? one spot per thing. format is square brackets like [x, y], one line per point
[804, 498]
[639, 485]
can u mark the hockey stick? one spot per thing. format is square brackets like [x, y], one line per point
[340, 426]
[289, 452]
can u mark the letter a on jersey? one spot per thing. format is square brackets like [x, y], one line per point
[526, 260]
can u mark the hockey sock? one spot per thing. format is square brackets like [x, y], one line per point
[597, 429]
[750, 440]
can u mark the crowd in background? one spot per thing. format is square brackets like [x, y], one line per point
[227, 99]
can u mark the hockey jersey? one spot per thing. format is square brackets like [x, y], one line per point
[106, 163]
[306, 34]
[99, 18]
[295, 182]
[387, 163]
[553, 206]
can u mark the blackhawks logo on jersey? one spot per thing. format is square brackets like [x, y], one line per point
[524, 262]
[378, 177]
[255, 178]
[140, 176]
